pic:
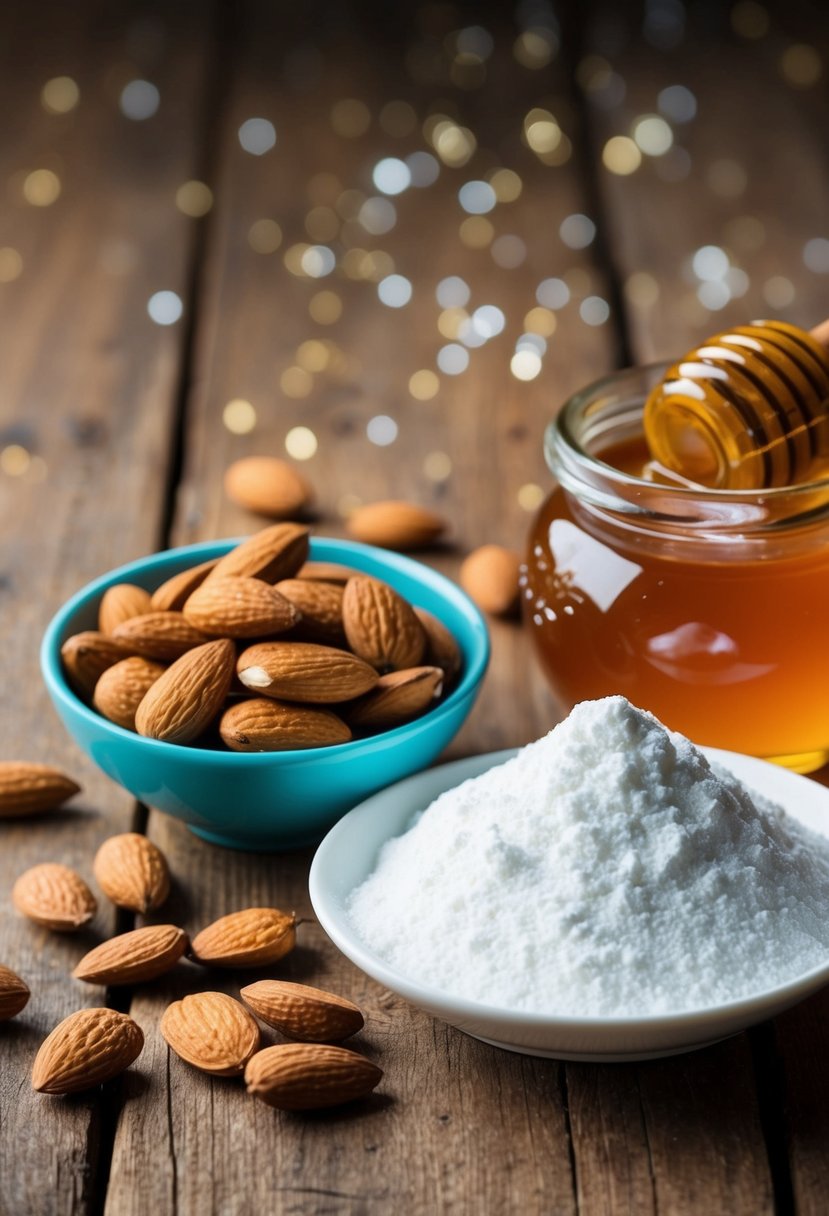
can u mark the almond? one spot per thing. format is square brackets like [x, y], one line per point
[381, 626]
[307, 1076]
[268, 486]
[182, 703]
[251, 938]
[302, 1012]
[86, 656]
[489, 575]
[263, 725]
[86, 1049]
[239, 608]
[395, 525]
[159, 635]
[172, 595]
[397, 697]
[54, 896]
[211, 1031]
[119, 603]
[326, 572]
[304, 671]
[442, 650]
[319, 607]
[122, 688]
[272, 554]
[29, 788]
[132, 872]
[14, 994]
[134, 957]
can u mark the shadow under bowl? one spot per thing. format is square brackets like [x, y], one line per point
[268, 800]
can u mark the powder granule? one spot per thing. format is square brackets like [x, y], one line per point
[606, 870]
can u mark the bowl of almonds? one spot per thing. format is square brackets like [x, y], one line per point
[259, 689]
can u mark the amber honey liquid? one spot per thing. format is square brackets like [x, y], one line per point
[732, 653]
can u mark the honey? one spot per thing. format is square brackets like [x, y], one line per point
[707, 608]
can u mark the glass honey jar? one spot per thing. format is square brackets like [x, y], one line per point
[710, 608]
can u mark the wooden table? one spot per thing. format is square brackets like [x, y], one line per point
[114, 437]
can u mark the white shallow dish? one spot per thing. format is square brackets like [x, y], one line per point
[349, 852]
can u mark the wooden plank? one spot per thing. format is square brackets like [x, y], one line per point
[92, 413]
[730, 199]
[434, 1140]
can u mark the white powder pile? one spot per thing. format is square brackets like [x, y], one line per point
[606, 870]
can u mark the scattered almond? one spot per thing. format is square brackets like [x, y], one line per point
[54, 896]
[272, 554]
[172, 595]
[441, 648]
[394, 524]
[268, 486]
[304, 671]
[87, 655]
[29, 789]
[265, 725]
[490, 576]
[119, 603]
[134, 957]
[381, 626]
[159, 635]
[239, 608]
[132, 872]
[122, 688]
[211, 1031]
[253, 937]
[307, 1076]
[397, 697]
[301, 1012]
[182, 703]
[319, 607]
[14, 994]
[86, 1049]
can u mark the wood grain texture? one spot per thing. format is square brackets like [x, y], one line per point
[95, 411]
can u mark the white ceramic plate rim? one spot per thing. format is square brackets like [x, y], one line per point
[776, 784]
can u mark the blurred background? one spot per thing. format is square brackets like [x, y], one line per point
[383, 240]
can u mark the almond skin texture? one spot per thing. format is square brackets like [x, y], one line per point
[395, 525]
[326, 572]
[159, 635]
[239, 608]
[381, 626]
[308, 1076]
[272, 554]
[212, 1032]
[29, 789]
[132, 872]
[181, 704]
[54, 896]
[122, 688]
[264, 725]
[251, 938]
[304, 671]
[442, 650]
[268, 486]
[310, 1015]
[398, 697]
[135, 957]
[173, 595]
[119, 603]
[490, 577]
[14, 994]
[86, 1049]
[320, 609]
[86, 656]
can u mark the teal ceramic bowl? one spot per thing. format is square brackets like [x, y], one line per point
[270, 800]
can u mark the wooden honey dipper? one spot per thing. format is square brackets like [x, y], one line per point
[746, 410]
